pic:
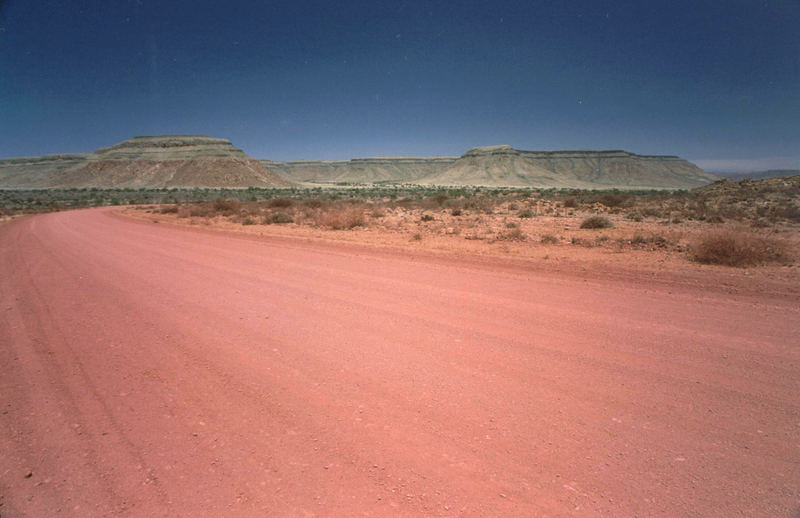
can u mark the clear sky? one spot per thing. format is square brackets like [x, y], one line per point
[717, 82]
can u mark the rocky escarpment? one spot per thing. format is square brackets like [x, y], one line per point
[399, 169]
[622, 169]
[504, 166]
[37, 172]
[144, 162]
[500, 166]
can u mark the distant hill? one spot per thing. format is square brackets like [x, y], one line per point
[771, 173]
[144, 162]
[504, 166]
[197, 161]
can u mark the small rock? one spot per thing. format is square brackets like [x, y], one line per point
[28, 474]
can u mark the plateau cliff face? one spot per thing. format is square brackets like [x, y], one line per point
[144, 162]
[504, 166]
[361, 170]
[622, 169]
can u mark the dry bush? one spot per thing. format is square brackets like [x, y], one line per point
[738, 248]
[579, 241]
[549, 239]
[656, 240]
[512, 235]
[170, 209]
[615, 200]
[277, 217]
[596, 222]
[485, 204]
[227, 206]
[280, 203]
[651, 212]
[342, 218]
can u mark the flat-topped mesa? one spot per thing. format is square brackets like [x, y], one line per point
[191, 161]
[503, 149]
[504, 166]
[172, 147]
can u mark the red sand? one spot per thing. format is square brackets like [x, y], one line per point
[149, 370]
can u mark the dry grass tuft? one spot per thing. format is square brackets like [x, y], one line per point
[738, 248]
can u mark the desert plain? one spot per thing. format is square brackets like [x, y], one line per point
[394, 350]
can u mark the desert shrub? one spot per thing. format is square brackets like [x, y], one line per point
[596, 222]
[455, 212]
[313, 203]
[511, 224]
[525, 213]
[248, 221]
[278, 217]
[651, 212]
[549, 239]
[732, 248]
[426, 217]
[570, 202]
[512, 235]
[280, 203]
[343, 218]
[614, 200]
[198, 211]
[485, 204]
[634, 216]
[760, 223]
[171, 209]
[378, 213]
[787, 211]
[417, 237]
[513, 206]
[639, 239]
[226, 206]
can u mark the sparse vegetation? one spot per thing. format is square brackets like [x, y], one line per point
[474, 213]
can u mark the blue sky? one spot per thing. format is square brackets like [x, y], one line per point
[717, 82]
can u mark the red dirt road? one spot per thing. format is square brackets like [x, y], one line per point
[154, 371]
